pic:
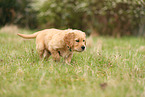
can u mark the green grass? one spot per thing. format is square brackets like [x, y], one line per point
[119, 64]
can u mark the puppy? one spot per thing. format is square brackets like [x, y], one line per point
[58, 43]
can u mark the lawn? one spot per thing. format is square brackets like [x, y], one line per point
[110, 67]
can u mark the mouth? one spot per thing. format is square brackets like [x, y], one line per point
[80, 50]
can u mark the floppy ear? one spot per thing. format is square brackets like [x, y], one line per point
[69, 40]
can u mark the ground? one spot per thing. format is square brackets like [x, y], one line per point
[109, 67]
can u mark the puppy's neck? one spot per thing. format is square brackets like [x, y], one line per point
[70, 49]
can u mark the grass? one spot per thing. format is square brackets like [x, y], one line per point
[109, 67]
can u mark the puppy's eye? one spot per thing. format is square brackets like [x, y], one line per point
[83, 40]
[77, 40]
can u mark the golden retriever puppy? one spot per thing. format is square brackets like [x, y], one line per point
[58, 43]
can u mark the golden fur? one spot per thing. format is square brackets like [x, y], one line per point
[58, 43]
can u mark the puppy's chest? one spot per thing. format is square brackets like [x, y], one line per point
[64, 53]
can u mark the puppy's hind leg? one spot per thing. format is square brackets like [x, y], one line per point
[46, 54]
[55, 55]
[40, 50]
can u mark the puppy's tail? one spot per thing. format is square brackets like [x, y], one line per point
[28, 36]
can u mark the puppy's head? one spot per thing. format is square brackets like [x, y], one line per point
[76, 40]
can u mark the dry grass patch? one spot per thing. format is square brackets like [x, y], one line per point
[11, 29]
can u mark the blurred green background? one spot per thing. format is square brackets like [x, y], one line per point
[96, 17]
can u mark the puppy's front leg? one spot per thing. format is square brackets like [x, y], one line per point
[68, 58]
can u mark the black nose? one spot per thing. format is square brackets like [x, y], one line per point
[83, 47]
